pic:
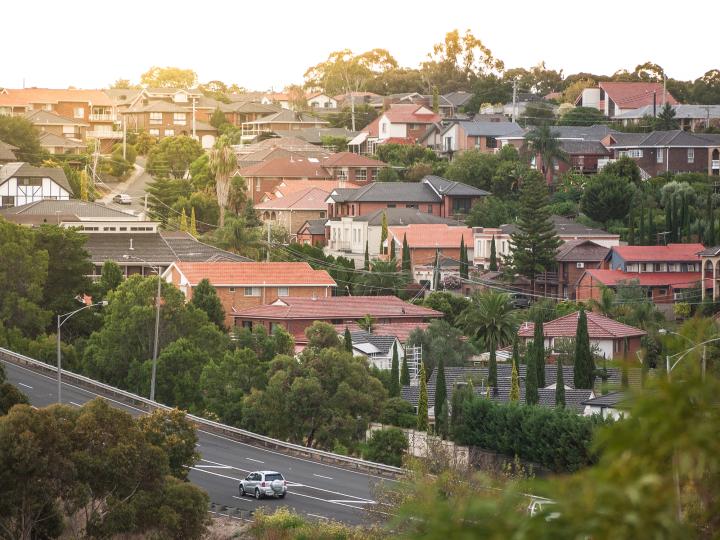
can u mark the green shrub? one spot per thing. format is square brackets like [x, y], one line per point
[387, 446]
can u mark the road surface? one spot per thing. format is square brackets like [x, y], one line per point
[133, 186]
[319, 491]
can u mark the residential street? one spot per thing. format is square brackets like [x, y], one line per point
[133, 186]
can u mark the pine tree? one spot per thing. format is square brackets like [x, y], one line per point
[383, 233]
[406, 264]
[440, 394]
[183, 221]
[539, 349]
[584, 364]
[366, 264]
[559, 385]
[436, 272]
[493, 255]
[347, 341]
[514, 384]
[422, 414]
[193, 224]
[531, 383]
[492, 370]
[394, 374]
[405, 372]
[205, 298]
[392, 249]
[535, 242]
[464, 270]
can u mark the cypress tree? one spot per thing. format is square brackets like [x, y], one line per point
[463, 259]
[383, 233]
[394, 374]
[531, 388]
[422, 414]
[406, 266]
[492, 370]
[539, 349]
[559, 385]
[348, 340]
[442, 422]
[436, 272]
[392, 249]
[493, 255]
[193, 223]
[584, 364]
[405, 372]
[183, 221]
[440, 394]
[514, 384]
[366, 265]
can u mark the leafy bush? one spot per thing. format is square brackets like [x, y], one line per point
[387, 446]
[398, 412]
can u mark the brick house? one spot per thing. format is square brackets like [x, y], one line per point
[167, 119]
[433, 194]
[401, 122]
[672, 151]
[487, 137]
[615, 97]
[353, 167]
[22, 184]
[243, 285]
[264, 177]
[61, 126]
[295, 209]
[284, 120]
[613, 339]
[312, 233]
[573, 258]
[296, 314]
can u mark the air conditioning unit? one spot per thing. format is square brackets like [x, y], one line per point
[580, 265]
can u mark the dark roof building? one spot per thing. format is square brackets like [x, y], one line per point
[7, 153]
[62, 211]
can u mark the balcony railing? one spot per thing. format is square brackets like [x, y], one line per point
[101, 134]
[102, 117]
[340, 245]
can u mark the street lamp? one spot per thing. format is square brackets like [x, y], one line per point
[682, 354]
[157, 322]
[60, 321]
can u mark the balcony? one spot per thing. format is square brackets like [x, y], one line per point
[340, 245]
[102, 117]
[715, 164]
[103, 134]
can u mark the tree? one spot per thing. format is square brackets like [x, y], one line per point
[584, 370]
[388, 174]
[383, 233]
[405, 372]
[347, 340]
[607, 198]
[392, 250]
[183, 221]
[217, 119]
[172, 156]
[464, 263]
[223, 163]
[493, 256]
[440, 397]
[176, 435]
[514, 384]
[492, 212]
[666, 120]
[489, 319]
[322, 335]
[394, 374]
[387, 446]
[473, 167]
[169, 77]
[543, 142]
[624, 167]
[537, 113]
[441, 340]
[238, 237]
[582, 116]
[111, 276]
[531, 380]
[193, 223]
[205, 298]
[383, 279]
[366, 260]
[19, 132]
[492, 370]
[538, 349]
[535, 242]
[422, 414]
[406, 261]
[559, 385]
[435, 100]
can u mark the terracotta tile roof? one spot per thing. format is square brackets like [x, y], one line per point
[350, 159]
[288, 167]
[25, 96]
[254, 273]
[400, 330]
[307, 199]
[671, 252]
[286, 187]
[432, 235]
[631, 95]
[399, 140]
[599, 327]
[373, 128]
[411, 113]
[678, 280]
[338, 307]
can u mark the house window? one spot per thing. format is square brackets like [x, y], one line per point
[634, 153]
[342, 174]
[252, 291]
[691, 155]
[411, 206]
[156, 118]
[247, 324]
[169, 132]
[78, 112]
[7, 202]
[659, 155]
[477, 143]
[37, 182]
[392, 205]
[461, 206]
[322, 214]
[231, 289]
[429, 209]
[491, 142]
[361, 174]
[447, 144]
[383, 128]
[154, 132]
[283, 291]
[179, 118]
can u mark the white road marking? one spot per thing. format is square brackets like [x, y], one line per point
[293, 484]
[213, 466]
[321, 476]
[25, 385]
[215, 474]
[255, 460]
[317, 516]
[76, 404]
[296, 494]
[244, 498]
[223, 465]
[356, 502]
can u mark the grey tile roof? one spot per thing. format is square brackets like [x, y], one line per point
[285, 116]
[674, 138]
[57, 141]
[492, 129]
[387, 192]
[405, 216]
[41, 117]
[710, 251]
[314, 135]
[383, 343]
[682, 111]
[583, 147]
[72, 207]
[315, 226]
[586, 133]
[459, 98]
[450, 187]
[613, 399]
[12, 170]
[7, 152]
[564, 226]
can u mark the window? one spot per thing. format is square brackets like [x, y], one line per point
[659, 156]
[247, 324]
[447, 144]
[179, 118]
[231, 289]
[154, 132]
[37, 182]
[252, 291]
[156, 118]
[342, 174]
[411, 206]
[634, 153]
[691, 155]
[78, 112]
[383, 128]
[7, 202]
[169, 132]
[283, 291]
[361, 174]
[429, 209]
[461, 206]
[491, 142]
[392, 205]
[322, 214]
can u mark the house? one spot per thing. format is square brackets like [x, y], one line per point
[54, 124]
[242, 285]
[7, 153]
[320, 100]
[425, 241]
[282, 99]
[669, 258]
[295, 209]
[376, 347]
[404, 123]
[458, 99]
[611, 338]
[399, 330]
[264, 177]
[57, 144]
[613, 405]
[573, 258]
[275, 147]
[613, 97]
[353, 167]
[286, 187]
[566, 229]
[710, 265]
[446, 108]
[296, 314]
[672, 151]
[162, 119]
[487, 137]
[312, 232]
[316, 136]
[284, 120]
[348, 235]
[69, 213]
[433, 194]
[21, 184]
[690, 117]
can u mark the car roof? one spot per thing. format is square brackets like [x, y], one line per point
[266, 472]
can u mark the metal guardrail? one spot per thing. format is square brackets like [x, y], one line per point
[237, 434]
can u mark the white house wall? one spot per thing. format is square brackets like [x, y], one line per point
[29, 194]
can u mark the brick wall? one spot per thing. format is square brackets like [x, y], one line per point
[677, 162]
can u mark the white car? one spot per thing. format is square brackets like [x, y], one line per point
[539, 505]
[122, 198]
[263, 484]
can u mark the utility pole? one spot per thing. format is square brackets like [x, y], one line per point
[514, 105]
[664, 88]
[124, 139]
[193, 119]
[654, 104]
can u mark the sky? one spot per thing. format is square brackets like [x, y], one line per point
[268, 44]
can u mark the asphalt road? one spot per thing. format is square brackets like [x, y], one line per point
[134, 186]
[316, 490]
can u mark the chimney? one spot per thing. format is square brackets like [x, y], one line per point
[131, 246]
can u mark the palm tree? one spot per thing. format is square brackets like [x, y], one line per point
[490, 318]
[605, 305]
[544, 143]
[237, 237]
[223, 163]
[383, 279]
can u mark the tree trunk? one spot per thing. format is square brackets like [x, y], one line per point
[222, 216]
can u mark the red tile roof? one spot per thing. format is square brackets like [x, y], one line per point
[411, 113]
[373, 128]
[671, 252]
[678, 280]
[307, 199]
[338, 307]
[254, 273]
[433, 235]
[599, 327]
[633, 95]
[286, 187]
[24, 96]
[350, 159]
[400, 330]
[288, 167]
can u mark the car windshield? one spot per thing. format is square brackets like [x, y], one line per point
[274, 476]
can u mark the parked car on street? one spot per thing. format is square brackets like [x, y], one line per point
[263, 484]
[122, 198]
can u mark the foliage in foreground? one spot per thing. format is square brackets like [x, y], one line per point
[286, 525]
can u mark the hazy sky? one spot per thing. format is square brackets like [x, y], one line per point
[263, 44]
